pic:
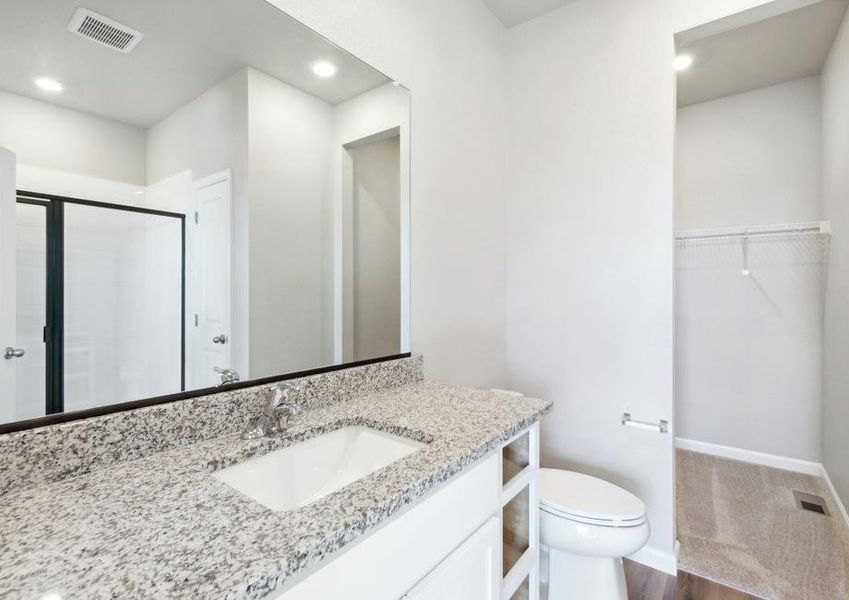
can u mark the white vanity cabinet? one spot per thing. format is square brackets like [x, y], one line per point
[470, 571]
[476, 538]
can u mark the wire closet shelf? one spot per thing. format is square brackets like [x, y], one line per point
[757, 231]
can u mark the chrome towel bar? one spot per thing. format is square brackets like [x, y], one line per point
[660, 427]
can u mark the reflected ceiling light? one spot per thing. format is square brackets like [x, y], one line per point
[682, 62]
[324, 69]
[48, 84]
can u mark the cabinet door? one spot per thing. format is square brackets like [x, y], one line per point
[469, 573]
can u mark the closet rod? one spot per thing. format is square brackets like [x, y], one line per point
[817, 227]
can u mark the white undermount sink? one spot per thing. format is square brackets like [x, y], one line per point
[304, 472]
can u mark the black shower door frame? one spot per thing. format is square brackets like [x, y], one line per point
[54, 329]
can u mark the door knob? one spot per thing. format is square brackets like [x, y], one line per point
[219, 339]
[9, 353]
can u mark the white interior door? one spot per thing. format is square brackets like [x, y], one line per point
[30, 310]
[212, 243]
[8, 300]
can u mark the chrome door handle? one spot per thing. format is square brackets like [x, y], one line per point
[219, 339]
[9, 353]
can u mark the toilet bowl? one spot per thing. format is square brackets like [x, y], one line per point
[586, 526]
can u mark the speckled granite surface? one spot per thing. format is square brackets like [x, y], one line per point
[50, 454]
[164, 527]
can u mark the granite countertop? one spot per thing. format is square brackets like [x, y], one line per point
[164, 526]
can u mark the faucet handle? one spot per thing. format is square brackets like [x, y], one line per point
[280, 398]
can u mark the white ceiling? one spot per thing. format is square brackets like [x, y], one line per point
[775, 50]
[188, 46]
[516, 12]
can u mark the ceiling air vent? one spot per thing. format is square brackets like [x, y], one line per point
[104, 31]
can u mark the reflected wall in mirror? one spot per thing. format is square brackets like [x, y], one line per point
[190, 191]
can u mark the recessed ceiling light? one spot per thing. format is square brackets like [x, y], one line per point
[682, 61]
[48, 84]
[324, 69]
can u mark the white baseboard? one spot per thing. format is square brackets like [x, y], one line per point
[835, 497]
[751, 456]
[657, 559]
[769, 460]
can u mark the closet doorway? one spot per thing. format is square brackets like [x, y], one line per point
[755, 266]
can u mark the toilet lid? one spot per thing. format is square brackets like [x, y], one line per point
[589, 499]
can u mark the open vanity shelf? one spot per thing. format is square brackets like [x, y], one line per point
[520, 520]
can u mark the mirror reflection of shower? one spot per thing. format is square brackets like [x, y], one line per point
[100, 300]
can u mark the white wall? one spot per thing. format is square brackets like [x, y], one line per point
[283, 147]
[450, 53]
[290, 180]
[750, 159]
[206, 136]
[748, 349]
[49, 136]
[376, 240]
[835, 108]
[589, 280]
[50, 181]
[365, 117]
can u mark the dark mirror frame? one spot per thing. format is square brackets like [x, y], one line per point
[65, 417]
[57, 418]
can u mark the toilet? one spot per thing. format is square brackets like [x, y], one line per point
[587, 525]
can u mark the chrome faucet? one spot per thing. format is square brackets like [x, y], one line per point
[275, 417]
[226, 376]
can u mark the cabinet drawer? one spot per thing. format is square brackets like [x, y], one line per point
[469, 573]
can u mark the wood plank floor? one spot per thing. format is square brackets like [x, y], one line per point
[645, 583]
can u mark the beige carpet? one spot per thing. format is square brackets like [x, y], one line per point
[738, 524]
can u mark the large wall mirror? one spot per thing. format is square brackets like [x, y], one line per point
[190, 192]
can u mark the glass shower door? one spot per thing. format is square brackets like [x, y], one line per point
[123, 305]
